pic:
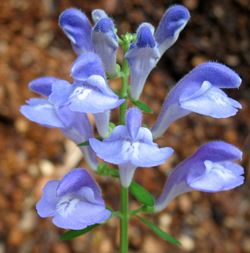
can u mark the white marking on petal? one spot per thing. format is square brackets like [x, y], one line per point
[131, 148]
[218, 98]
[43, 106]
[67, 30]
[219, 169]
[67, 204]
[81, 93]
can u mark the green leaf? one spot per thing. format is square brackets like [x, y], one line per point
[75, 233]
[144, 107]
[83, 144]
[111, 126]
[165, 236]
[117, 68]
[141, 194]
[104, 170]
[113, 172]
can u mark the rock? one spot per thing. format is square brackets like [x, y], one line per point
[15, 236]
[196, 60]
[135, 237]
[46, 167]
[191, 4]
[165, 221]
[25, 181]
[246, 244]
[60, 247]
[185, 203]
[2, 248]
[106, 246]
[152, 244]
[187, 242]
[73, 154]
[28, 221]
[21, 125]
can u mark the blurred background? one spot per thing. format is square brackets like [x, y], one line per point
[32, 45]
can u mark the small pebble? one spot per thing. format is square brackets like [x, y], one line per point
[2, 248]
[246, 245]
[187, 242]
[165, 221]
[28, 221]
[46, 167]
[152, 244]
[185, 203]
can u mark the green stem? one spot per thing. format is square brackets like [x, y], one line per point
[124, 220]
[124, 91]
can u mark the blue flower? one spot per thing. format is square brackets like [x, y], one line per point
[92, 96]
[105, 40]
[172, 23]
[209, 169]
[200, 91]
[87, 65]
[42, 85]
[130, 146]
[78, 29]
[43, 111]
[142, 58]
[84, 67]
[74, 202]
[100, 39]
[88, 94]
[144, 54]
[91, 92]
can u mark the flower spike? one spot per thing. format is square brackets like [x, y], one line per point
[209, 169]
[142, 58]
[130, 146]
[199, 91]
[172, 23]
[74, 202]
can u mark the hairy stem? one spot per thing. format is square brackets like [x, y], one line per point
[124, 91]
[124, 218]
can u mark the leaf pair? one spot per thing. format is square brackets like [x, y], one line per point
[69, 235]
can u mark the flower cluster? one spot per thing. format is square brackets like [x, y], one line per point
[75, 202]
